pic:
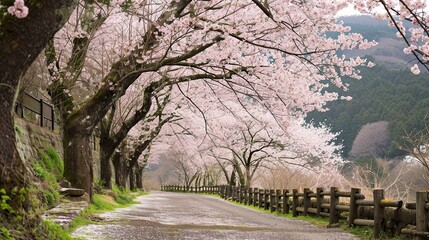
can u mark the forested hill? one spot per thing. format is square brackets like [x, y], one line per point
[389, 50]
[396, 96]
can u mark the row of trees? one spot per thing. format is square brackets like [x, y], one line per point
[204, 46]
[239, 142]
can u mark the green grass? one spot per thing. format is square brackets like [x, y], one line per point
[55, 231]
[49, 169]
[103, 203]
[52, 162]
[5, 234]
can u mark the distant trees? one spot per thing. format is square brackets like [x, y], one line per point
[399, 97]
[242, 139]
[417, 145]
[398, 11]
[373, 140]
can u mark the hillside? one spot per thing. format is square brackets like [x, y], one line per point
[398, 97]
[389, 50]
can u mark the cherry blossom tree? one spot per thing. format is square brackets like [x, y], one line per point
[247, 47]
[129, 112]
[242, 136]
[25, 28]
[255, 145]
[397, 12]
[126, 158]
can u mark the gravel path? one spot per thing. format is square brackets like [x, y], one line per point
[165, 215]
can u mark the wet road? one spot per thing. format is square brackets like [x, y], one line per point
[165, 215]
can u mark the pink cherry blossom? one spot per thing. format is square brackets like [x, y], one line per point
[415, 69]
[18, 9]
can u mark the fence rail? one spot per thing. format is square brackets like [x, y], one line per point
[42, 111]
[384, 215]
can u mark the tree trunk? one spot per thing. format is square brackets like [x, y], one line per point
[248, 178]
[78, 168]
[106, 151]
[120, 166]
[21, 41]
[139, 177]
[12, 168]
[233, 178]
[132, 178]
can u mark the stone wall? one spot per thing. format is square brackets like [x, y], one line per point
[31, 138]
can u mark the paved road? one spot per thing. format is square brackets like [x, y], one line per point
[164, 215]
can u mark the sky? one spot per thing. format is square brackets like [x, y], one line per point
[349, 11]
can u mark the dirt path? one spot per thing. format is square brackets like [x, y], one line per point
[165, 215]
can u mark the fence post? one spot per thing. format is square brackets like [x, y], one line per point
[272, 200]
[285, 208]
[41, 112]
[378, 211]
[255, 196]
[260, 197]
[333, 215]
[278, 202]
[422, 197]
[245, 196]
[306, 201]
[295, 202]
[266, 193]
[240, 194]
[250, 197]
[319, 200]
[353, 211]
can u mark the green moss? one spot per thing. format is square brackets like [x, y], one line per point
[50, 197]
[57, 160]
[19, 130]
[4, 234]
[49, 169]
[4, 202]
[52, 162]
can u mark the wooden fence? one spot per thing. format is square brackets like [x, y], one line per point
[41, 111]
[384, 215]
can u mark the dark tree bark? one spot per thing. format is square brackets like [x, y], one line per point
[121, 176]
[120, 166]
[110, 140]
[21, 41]
[139, 177]
[132, 179]
[105, 167]
[80, 170]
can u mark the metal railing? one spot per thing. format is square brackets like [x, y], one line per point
[36, 110]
